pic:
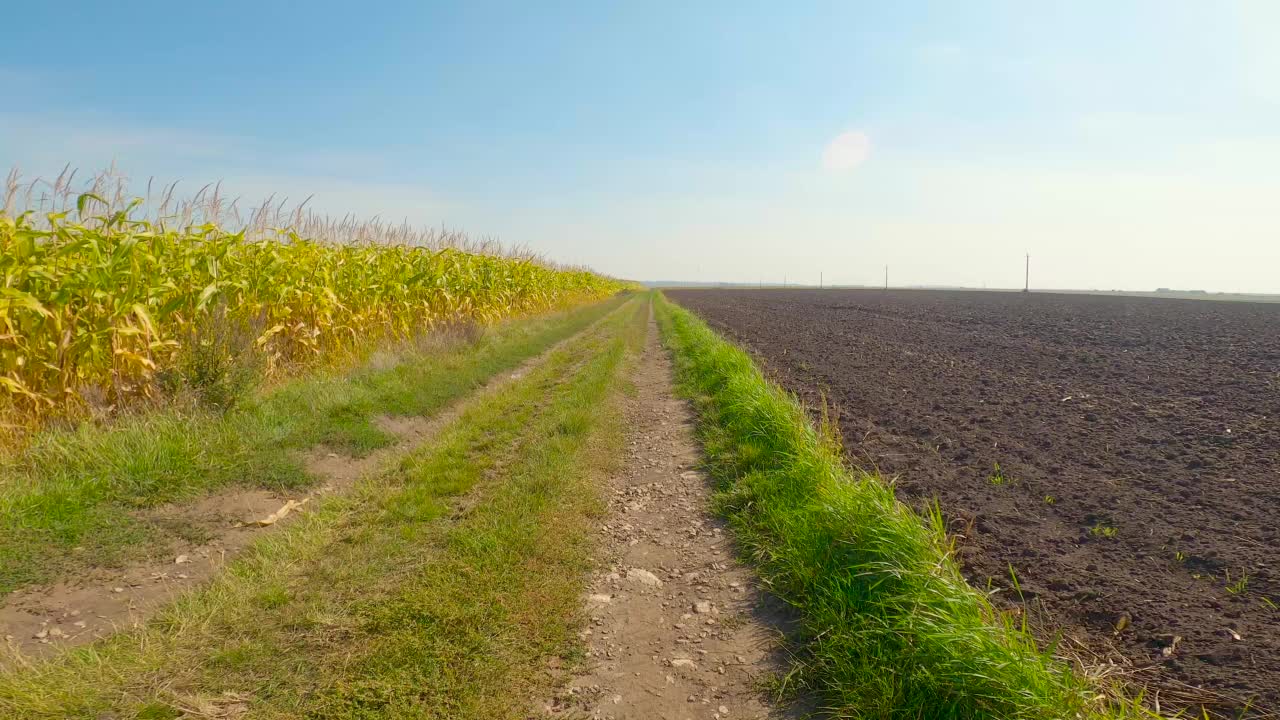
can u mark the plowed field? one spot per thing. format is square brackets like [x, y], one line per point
[1120, 455]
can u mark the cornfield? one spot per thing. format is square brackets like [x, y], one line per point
[103, 305]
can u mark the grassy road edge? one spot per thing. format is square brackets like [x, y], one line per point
[890, 628]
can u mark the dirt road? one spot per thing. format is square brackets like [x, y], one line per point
[677, 626]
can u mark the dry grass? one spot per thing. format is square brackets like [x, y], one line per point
[166, 208]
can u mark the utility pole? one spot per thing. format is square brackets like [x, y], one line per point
[1027, 288]
[819, 280]
[886, 277]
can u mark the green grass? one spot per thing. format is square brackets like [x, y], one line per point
[890, 627]
[65, 501]
[997, 476]
[438, 589]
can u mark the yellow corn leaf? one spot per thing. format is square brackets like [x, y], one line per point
[9, 297]
[136, 359]
[206, 295]
[145, 318]
[18, 388]
[271, 332]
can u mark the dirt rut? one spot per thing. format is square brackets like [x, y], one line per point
[677, 627]
[38, 621]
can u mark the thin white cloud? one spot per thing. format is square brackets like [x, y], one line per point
[43, 143]
[847, 151]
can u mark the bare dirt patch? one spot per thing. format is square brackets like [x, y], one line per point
[1138, 450]
[678, 628]
[337, 470]
[38, 620]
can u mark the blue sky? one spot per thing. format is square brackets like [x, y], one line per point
[1122, 144]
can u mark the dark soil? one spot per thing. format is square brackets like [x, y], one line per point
[1138, 443]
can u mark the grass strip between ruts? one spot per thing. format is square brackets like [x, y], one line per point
[890, 627]
[402, 598]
